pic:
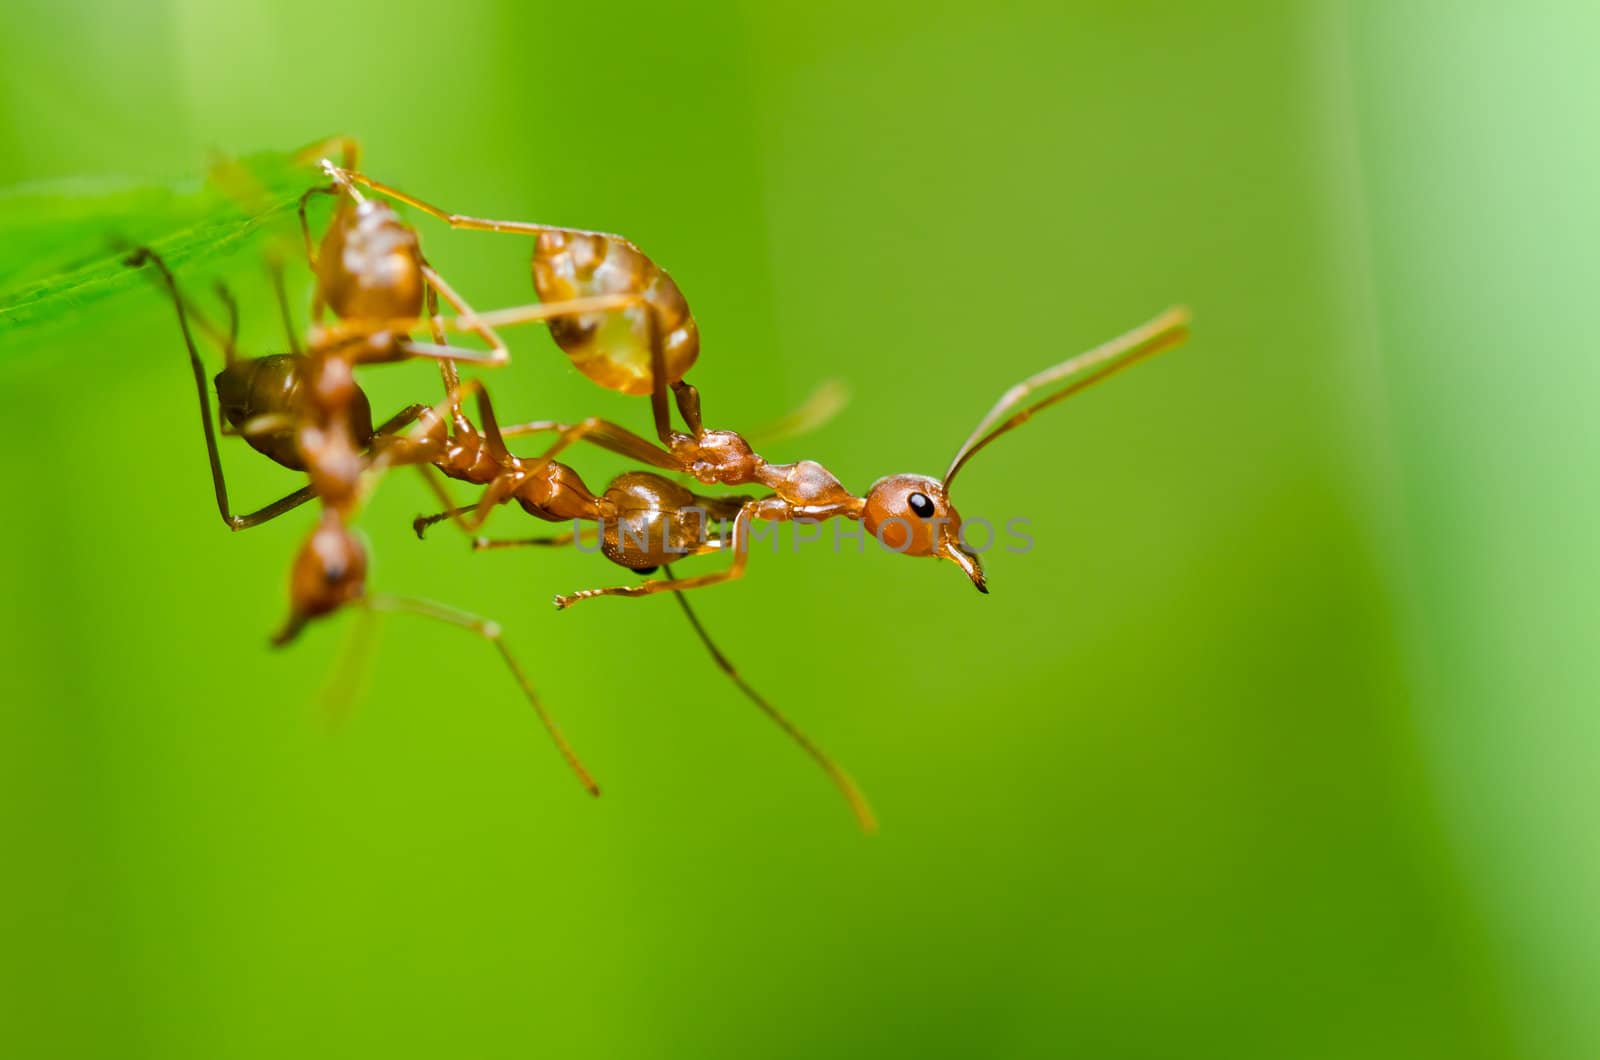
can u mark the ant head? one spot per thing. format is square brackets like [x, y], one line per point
[329, 572]
[912, 514]
[932, 526]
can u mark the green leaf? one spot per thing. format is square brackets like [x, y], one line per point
[62, 243]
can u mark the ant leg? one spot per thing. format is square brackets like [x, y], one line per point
[305, 225]
[516, 472]
[230, 348]
[465, 315]
[353, 330]
[847, 787]
[275, 269]
[288, 503]
[818, 409]
[479, 544]
[500, 489]
[203, 322]
[421, 523]
[484, 544]
[351, 675]
[535, 312]
[741, 554]
[491, 632]
[347, 176]
[596, 431]
[402, 419]
[218, 483]
[380, 350]
[273, 510]
[383, 435]
[519, 430]
[498, 353]
[346, 331]
[447, 369]
[607, 435]
[395, 454]
[601, 432]
[688, 399]
[658, 380]
[457, 514]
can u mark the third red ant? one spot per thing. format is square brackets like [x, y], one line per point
[305, 411]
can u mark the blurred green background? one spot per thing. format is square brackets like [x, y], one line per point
[1279, 744]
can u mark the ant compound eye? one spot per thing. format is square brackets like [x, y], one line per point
[921, 504]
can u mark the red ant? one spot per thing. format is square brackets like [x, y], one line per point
[648, 346]
[646, 520]
[654, 520]
[305, 411]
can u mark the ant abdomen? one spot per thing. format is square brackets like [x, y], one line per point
[613, 348]
[252, 393]
[370, 264]
[651, 521]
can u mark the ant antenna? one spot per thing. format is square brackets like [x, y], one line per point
[350, 678]
[275, 270]
[491, 632]
[1164, 332]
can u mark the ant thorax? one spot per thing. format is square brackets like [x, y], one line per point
[807, 484]
[724, 457]
[717, 457]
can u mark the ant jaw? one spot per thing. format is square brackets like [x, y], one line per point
[968, 561]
